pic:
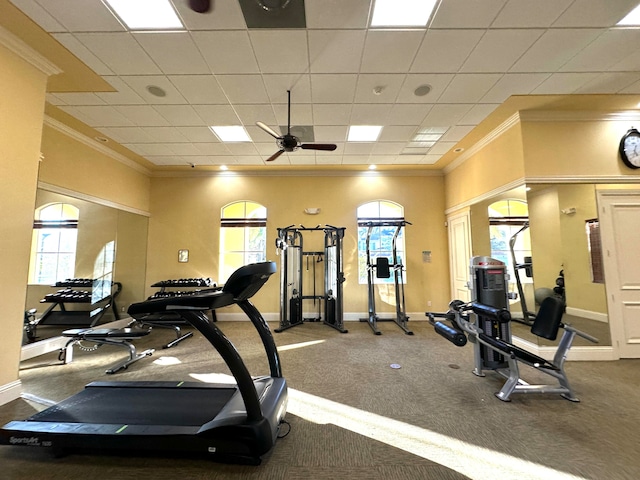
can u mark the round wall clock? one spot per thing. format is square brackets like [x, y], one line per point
[630, 148]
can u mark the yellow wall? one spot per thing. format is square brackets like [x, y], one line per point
[499, 163]
[21, 115]
[71, 164]
[186, 215]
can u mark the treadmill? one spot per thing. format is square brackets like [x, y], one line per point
[228, 423]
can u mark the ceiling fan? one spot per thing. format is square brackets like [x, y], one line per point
[288, 142]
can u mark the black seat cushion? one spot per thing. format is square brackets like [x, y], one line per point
[549, 318]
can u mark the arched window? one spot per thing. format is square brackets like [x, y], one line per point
[380, 242]
[53, 248]
[243, 236]
[508, 223]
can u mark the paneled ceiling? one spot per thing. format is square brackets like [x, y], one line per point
[473, 56]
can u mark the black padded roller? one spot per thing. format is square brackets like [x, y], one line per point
[454, 336]
[500, 314]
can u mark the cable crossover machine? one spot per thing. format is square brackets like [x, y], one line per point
[292, 259]
[382, 268]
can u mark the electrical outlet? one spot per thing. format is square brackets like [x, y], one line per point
[429, 303]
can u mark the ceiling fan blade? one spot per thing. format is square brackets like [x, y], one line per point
[269, 130]
[318, 146]
[200, 6]
[275, 155]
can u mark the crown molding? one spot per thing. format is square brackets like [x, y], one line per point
[90, 142]
[24, 51]
[484, 141]
[49, 187]
[295, 173]
[599, 179]
[579, 116]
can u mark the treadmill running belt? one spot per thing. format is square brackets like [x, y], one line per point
[139, 406]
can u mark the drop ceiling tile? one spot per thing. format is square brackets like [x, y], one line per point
[258, 135]
[173, 52]
[302, 159]
[103, 116]
[514, 84]
[142, 115]
[438, 83]
[243, 88]
[595, 13]
[179, 115]
[120, 52]
[280, 51]
[82, 15]
[80, 99]
[457, 133]
[330, 134]
[165, 134]
[212, 148]
[388, 84]
[408, 114]
[358, 148]
[333, 88]
[139, 84]
[370, 114]
[337, 13]
[465, 14]
[605, 51]
[198, 134]
[124, 94]
[300, 114]
[335, 51]
[39, 15]
[325, 159]
[445, 51]
[166, 160]
[83, 53]
[265, 149]
[127, 135]
[554, 48]
[382, 159]
[390, 51]
[151, 149]
[214, 46]
[224, 15]
[477, 114]
[408, 159]
[526, 14]
[199, 89]
[469, 88]
[611, 82]
[183, 149]
[217, 114]
[430, 159]
[333, 114]
[563, 83]
[499, 49]
[445, 115]
[397, 133]
[250, 114]
[388, 148]
[277, 86]
[441, 147]
[356, 159]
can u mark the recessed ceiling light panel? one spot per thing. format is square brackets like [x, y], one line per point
[364, 133]
[230, 133]
[632, 18]
[402, 13]
[146, 14]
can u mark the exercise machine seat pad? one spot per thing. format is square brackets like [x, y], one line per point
[549, 318]
[519, 353]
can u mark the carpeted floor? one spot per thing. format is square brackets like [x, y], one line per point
[354, 416]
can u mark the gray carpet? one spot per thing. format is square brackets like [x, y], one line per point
[353, 416]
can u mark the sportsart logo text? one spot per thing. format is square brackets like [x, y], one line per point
[28, 441]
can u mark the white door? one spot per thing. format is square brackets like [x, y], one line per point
[459, 227]
[619, 214]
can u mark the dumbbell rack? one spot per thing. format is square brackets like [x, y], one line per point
[69, 294]
[172, 321]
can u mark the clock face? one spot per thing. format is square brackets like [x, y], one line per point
[630, 148]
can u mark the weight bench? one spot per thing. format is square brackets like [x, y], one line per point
[547, 323]
[120, 337]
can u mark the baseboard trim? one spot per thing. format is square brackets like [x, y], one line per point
[52, 344]
[597, 316]
[10, 391]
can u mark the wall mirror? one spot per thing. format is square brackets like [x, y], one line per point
[552, 231]
[101, 248]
